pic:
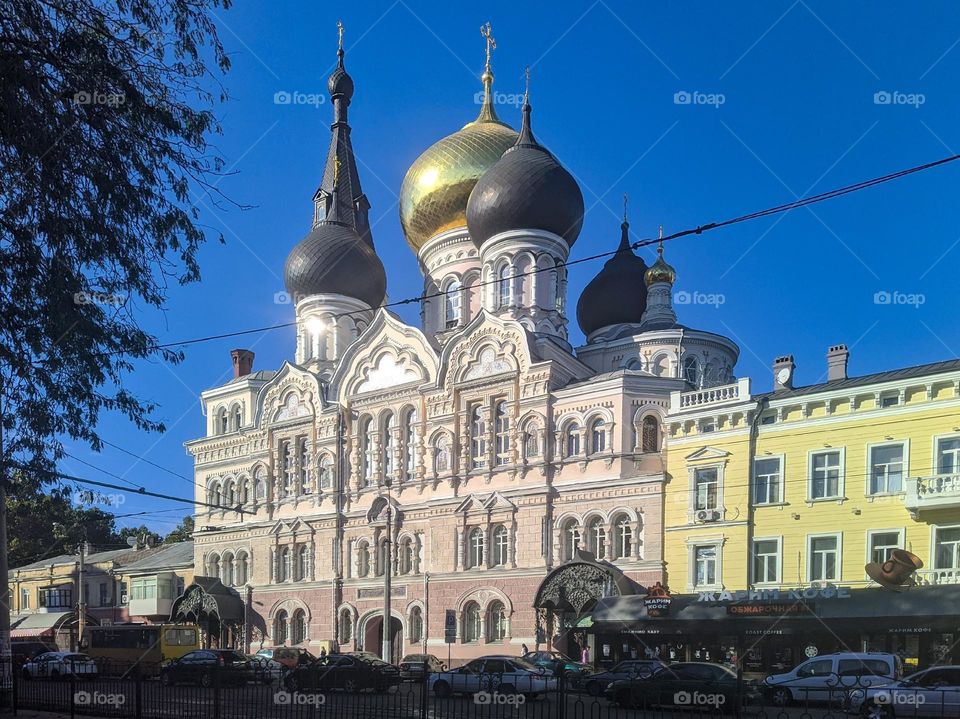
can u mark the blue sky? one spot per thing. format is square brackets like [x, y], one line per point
[783, 103]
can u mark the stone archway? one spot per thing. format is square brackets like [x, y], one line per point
[370, 636]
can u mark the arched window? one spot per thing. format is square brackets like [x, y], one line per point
[366, 447]
[228, 576]
[532, 440]
[389, 445]
[500, 544]
[622, 537]
[410, 441]
[471, 622]
[213, 565]
[326, 472]
[442, 454]
[573, 439]
[475, 548]
[237, 418]
[453, 304]
[286, 463]
[650, 434]
[406, 556]
[228, 495]
[690, 369]
[223, 425]
[286, 565]
[502, 428]
[598, 436]
[363, 559]
[243, 491]
[504, 288]
[213, 494]
[346, 626]
[571, 538]
[243, 568]
[597, 537]
[259, 485]
[496, 622]
[298, 627]
[416, 625]
[478, 438]
[382, 558]
[281, 628]
[303, 562]
[306, 480]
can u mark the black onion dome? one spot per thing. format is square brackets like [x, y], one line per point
[526, 189]
[333, 259]
[618, 294]
[340, 83]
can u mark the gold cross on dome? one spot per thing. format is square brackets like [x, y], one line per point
[336, 169]
[340, 34]
[491, 42]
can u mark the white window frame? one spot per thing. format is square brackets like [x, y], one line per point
[868, 476]
[841, 479]
[781, 459]
[779, 578]
[693, 544]
[696, 486]
[823, 535]
[901, 539]
[935, 464]
[452, 303]
[933, 545]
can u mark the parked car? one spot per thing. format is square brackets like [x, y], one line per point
[206, 666]
[686, 686]
[933, 692]
[289, 657]
[343, 671]
[503, 674]
[414, 667]
[595, 684]
[556, 663]
[265, 671]
[829, 677]
[56, 665]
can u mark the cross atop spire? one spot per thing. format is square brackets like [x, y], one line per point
[487, 113]
[487, 33]
[625, 199]
[339, 34]
[526, 90]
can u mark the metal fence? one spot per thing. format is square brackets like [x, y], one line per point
[138, 693]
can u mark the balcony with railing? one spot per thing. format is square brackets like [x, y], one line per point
[710, 397]
[938, 576]
[942, 491]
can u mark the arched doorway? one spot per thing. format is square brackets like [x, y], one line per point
[372, 637]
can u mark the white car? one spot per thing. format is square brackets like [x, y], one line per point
[830, 677]
[54, 665]
[495, 674]
[931, 693]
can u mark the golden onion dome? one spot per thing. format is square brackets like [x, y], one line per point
[435, 190]
[660, 271]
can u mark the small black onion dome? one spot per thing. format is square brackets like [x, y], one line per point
[617, 295]
[339, 82]
[333, 259]
[526, 189]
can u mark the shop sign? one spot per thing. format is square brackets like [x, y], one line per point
[773, 595]
[768, 610]
[909, 630]
[657, 601]
[764, 632]
[450, 627]
[641, 631]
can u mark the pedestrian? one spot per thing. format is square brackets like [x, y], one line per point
[585, 655]
[323, 652]
[523, 650]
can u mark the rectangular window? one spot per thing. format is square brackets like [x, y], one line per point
[824, 560]
[24, 599]
[705, 559]
[825, 471]
[886, 469]
[767, 481]
[882, 544]
[61, 598]
[948, 455]
[946, 542]
[706, 486]
[766, 561]
[104, 595]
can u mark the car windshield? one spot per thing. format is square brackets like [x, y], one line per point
[525, 664]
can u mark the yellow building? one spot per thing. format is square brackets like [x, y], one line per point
[776, 502]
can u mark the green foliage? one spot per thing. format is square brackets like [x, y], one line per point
[183, 532]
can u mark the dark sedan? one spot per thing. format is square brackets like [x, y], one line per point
[343, 671]
[557, 664]
[416, 667]
[595, 684]
[713, 688]
[207, 666]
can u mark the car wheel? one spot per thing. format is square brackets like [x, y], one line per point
[441, 689]
[593, 689]
[166, 680]
[781, 697]
[206, 680]
[350, 685]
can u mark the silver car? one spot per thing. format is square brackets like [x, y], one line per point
[56, 665]
[504, 675]
[931, 693]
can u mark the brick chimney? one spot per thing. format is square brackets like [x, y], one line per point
[783, 368]
[837, 358]
[242, 362]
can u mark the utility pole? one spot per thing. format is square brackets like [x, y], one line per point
[81, 605]
[6, 657]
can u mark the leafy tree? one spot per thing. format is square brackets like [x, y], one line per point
[106, 110]
[141, 534]
[182, 532]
